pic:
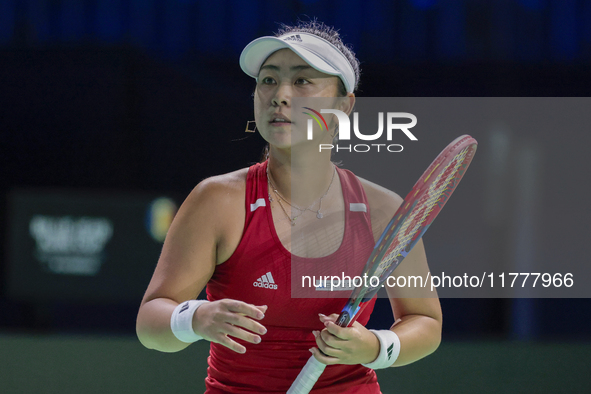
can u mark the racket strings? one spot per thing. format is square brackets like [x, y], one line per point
[420, 213]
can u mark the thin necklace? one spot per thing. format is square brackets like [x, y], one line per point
[292, 220]
[319, 214]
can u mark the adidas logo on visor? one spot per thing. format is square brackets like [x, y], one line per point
[293, 38]
[266, 281]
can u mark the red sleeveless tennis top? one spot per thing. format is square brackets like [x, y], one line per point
[259, 272]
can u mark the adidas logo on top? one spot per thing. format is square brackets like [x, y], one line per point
[266, 281]
[293, 38]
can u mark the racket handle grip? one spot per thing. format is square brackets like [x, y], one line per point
[307, 377]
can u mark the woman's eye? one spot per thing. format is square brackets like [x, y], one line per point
[302, 81]
[267, 80]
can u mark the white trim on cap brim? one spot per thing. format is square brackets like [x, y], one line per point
[256, 53]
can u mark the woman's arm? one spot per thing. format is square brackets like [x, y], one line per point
[201, 236]
[417, 311]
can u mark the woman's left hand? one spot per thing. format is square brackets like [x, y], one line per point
[344, 345]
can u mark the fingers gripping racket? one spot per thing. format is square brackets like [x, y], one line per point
[409, 223]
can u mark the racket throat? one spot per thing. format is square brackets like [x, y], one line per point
[343, 319]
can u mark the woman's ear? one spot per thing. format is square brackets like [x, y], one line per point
[347, 103]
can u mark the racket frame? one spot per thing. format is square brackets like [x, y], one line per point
[362, 295]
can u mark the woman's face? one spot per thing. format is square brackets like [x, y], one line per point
[283, 76]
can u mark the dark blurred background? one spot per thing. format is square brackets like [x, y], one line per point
[109, 105]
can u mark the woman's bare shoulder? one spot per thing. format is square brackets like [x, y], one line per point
[379, 196]
[214, 198]
[215, 210]
[383, 204]
[220, 189]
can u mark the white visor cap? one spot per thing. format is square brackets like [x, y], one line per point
[316, 51]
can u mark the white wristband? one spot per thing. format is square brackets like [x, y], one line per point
[181, 321]
[389, 349]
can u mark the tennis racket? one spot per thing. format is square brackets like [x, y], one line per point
[409, 223]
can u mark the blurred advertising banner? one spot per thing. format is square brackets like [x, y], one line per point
[83, 246]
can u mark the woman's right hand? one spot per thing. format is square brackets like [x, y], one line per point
[217, 321]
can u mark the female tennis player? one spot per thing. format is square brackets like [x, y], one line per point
[239, 234]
